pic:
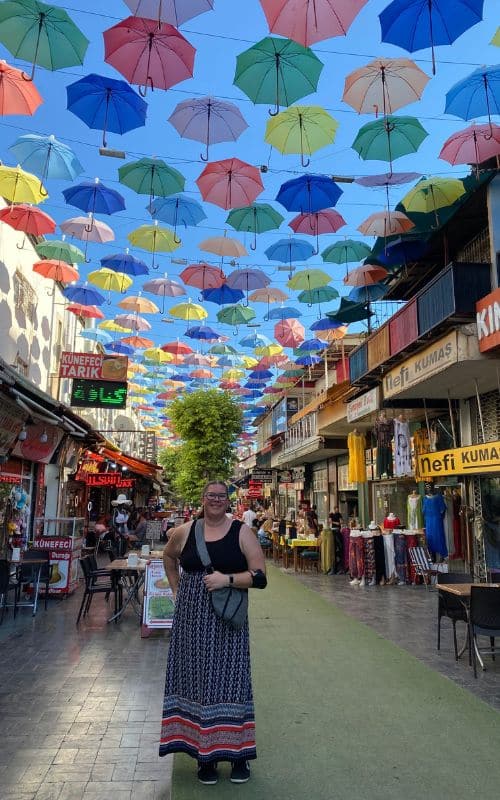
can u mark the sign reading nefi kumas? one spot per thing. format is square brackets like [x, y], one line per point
[93, 367]
[488, 321]
[476, 458]
[423, 365]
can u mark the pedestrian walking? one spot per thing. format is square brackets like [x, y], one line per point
[208, 709]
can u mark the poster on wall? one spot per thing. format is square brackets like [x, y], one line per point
[158, 597]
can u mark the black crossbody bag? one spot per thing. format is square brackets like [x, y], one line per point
[229, 603]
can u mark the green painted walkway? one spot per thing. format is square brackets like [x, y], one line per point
[342, 713]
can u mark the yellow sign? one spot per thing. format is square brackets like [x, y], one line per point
[422, 366]
[462, 461]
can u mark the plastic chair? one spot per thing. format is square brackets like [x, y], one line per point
[484, 620]
[422, 564]
[97, 584]
[450, 606]
[309, 559]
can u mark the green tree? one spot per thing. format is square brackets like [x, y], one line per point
[169, 460]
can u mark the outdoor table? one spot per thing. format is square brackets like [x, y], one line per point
[35, 562]
[305, 543]
[463, 592]
[136, 577]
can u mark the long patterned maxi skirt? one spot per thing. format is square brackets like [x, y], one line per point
[208, 709]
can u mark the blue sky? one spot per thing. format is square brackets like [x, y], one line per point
[218, 37]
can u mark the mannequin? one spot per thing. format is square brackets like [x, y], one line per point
[356, 557]
[356, 445]
[384, 433]
[378, 541]
[391, 521]
[415, 518]
[402, 448]
[434, 510]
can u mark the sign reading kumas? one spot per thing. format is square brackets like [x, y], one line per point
[422, 366]
[476, 458]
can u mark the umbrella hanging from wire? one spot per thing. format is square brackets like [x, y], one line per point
[28, 219]
[110, 281]
[386, 180]
[86, 312]
[473, 145]
[203, 276]
[345, 252]
[309, 193]
[247, 279]
[308, 23]
[384, 85]
[256, 218]
[222, 295]
[47, 157]
[164, 287]
[124, 262]
[17, 95]
[236, 315]
[151, 176]
[289, 332]
[288, 251]
[389, 138]
[317, 224]
[56, 270]
[230, 183]
[83, 294]
[431, 194]
[154, 238]
[175, 12]
[323, 294]
[224, 246]
[302, 130]
[477, 95]
[177, 210]
[88, 229]
[208, 120]
[284, 312]
[94, 198]
[19, 186]
[383, 223]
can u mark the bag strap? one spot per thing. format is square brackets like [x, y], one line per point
[201, 545]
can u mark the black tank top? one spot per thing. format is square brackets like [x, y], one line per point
[225, 553]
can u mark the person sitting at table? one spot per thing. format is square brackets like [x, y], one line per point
[140, 529]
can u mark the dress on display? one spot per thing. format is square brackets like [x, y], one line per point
[448, 523]
[356, 444]
[402, 448]
[434, 508]
[384, 433]
[414, 516]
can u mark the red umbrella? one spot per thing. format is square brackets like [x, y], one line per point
[56, 270]
[89, 312]
[307, 23]
[203, 276]
[201, 373]
[149, 54]
[289, 332]
[27, 219]
[473, 145]
[230, 183]
[18, 95]
[366, 275]
[229, 385]
[317, 223]
[177, 348]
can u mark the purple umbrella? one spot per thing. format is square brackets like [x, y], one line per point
[247, 279]
[387, 179]
[208, 120]
[175, 12]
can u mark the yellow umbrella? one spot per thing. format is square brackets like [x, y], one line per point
[134, 387]
[157, 356]
[430, 194]
[301, 129]
[20, 186]
[111, 325]
[109, 280]
[173, 384]
[249, 362]
[133, 367]
[496, 38]
[154, 238]
[189, 311]
[268, 350]
[139, 305]
[224, 246]
[232, 374]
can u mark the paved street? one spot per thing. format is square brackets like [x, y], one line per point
[80, 707]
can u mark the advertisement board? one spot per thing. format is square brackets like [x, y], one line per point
[98, 394]
[363, 405]
[64, 554]
[422, 366]
[93, 367]
[158, 597]
[488, 321]
[472, 460]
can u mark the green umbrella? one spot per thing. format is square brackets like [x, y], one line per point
[257, 218]
[61, 250]
[345, 252]
[389, 138]
[315, 296]
[236, 315]
[151, 176]
[41, 34]
[277, 71]
[309, 279]
[222, 349]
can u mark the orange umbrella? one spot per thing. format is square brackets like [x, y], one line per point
[386, 223]
[201, 373]
[56, 270]
[138, 341]
[141, 305]
[366, 275]
[89, 312]
[28, 219]
[18, 95]
[332, 334]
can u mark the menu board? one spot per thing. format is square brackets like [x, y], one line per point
[158, 597]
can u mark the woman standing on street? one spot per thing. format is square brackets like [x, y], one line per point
[208, 709]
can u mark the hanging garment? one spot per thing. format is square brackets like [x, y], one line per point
[448, 524]
[421, 445]
[326, 550]
[346, 535]
[389, 555]
[457, 533]
[414, 516]
[378, 542]
[356, 445]
[411, 541]
[356, 556]
[401, 557]
[391, 522]
[402, 448]
[369, 555]
[384, 433]
[434, 509]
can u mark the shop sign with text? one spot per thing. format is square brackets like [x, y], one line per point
[262, 475]
[476, 458]
[93, 367]
[363, 405]
[422, 366]
[98, 394]
[105, 479]
[488, 321]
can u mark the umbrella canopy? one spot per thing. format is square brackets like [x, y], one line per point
[95, 335]
[247, 279]
[385, 84]
[138, 342]
[154, 238]
[389, 138]
[430, 194]
[83, 294]
[308, 193]
[383, 223]
[256, 218]
[310, 346]
[477, 95]
[496, 38]
[20, 186]
[318, 223]
[154, 355]
[225, 246]
[111, 325]
[311, 22]
[177, 348]
[148, 54]
[271, 349]
[367, 294]
[417, 24]
[324, 324]
[402, 250]
[366, 275]
[254, 340]
[309, 279]
[131, 322]
[288, 251]
[124, 262]
[333, 334]
[277, 72]
[175, 12]
[106, 104]
[177, 210]
[188, 311]
[60, 249]
[208, 120]
[301, 129]
[46, 156]
[222, 295]
[268, 295]
[284, 312]
[203, 333]
[345, 252]
[348, 312]
[323, 294]
[473, 145]
[164, 287]
[203, 276]
[88, 229]
[17, 95]
[289, 332]
[109, 280]
[41, 34]
[141, 305]
[27, 219]
[119, 347]
[235, 315]
[230, 183]
[94, 197]
[56, 270]
[151, 176]
[87, 312]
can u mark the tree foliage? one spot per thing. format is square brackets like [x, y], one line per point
[207, 423]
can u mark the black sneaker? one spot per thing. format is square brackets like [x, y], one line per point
[240, 772]
[207, 773]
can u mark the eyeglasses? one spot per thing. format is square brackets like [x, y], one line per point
[215, 496]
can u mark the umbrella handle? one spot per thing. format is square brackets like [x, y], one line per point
[42, 190]
[144, 90]
[204, 157]
[176, 240]
[21, 246]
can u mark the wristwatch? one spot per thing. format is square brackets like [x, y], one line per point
[231, 579]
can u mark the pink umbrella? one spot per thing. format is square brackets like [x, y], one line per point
[203, 276]
[230, 183]
[289, 332]
[473, 145]
[309, 22]
[271, 361]
[175, 12]
[366, 275]
[319, 222]
[149, 54]
[197, 360]
[87, 229]
[133, 321]
[177, 348]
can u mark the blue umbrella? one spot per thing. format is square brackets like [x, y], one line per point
[46, 157]
[367, 294]
[324, 324]
[106, 104]
[202, 332]
[119, 347]
[477, 95]
[261, 374]
[253, 340]
[310, 346]
[222, 295]
[81, 293]
[308, 361]
[401, 251]
[95, 335]
[177, 210]
[253, 385]
[178, 376]
[124, 262]
[253, 394]
[284, 312]
[94, 197]
[229, 361]
[288, 251]
[417, 24]
[309, 193]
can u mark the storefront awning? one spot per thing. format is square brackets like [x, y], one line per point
[136, 465]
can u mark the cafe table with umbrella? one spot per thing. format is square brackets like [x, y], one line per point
[255, 218]
[46, 156]
[59, 249]
[177, 210]
[154, 238]
[151, 176]
[308, 23]
[230, 183]
[106, 104]
[389, 138]
[208, 120]
[19, 186]
[175, 12]
[277, 72]
[41, 34]
[18, 96]
[473, 145]
[309, 193]
[149, 54]
[345, 252]
[384, 85]
[302, 130]
[318, 223]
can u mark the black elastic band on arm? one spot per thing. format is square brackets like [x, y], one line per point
[259, 580]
